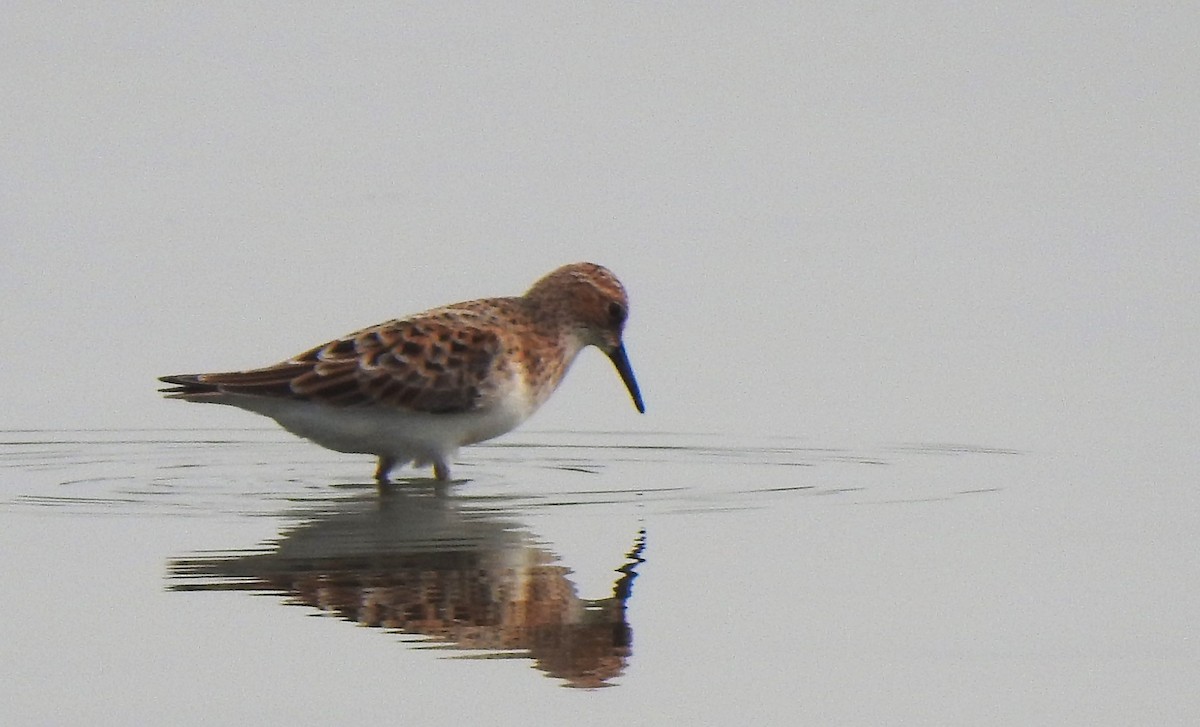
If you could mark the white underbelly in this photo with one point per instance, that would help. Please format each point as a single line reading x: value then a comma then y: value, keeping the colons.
x: 385, y: 431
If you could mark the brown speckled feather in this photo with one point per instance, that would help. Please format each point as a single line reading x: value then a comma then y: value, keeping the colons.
x: 436, y: 362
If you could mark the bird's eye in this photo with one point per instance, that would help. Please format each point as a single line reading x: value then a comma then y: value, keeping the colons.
x: 617, y: 313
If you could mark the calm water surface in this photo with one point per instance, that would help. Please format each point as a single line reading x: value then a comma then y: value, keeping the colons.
x: 167, y: 576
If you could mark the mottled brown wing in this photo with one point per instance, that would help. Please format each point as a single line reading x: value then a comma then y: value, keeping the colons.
x: 439, y: 362
x: 436, y: 364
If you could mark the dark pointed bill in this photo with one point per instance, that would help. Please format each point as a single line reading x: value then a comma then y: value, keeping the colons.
x: 621, y: 361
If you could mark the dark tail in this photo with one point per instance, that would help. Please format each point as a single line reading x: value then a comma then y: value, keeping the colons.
x: 273, y: 381
x: 186, y: 385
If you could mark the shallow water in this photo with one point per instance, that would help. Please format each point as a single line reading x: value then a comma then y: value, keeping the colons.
x: 164, y: 576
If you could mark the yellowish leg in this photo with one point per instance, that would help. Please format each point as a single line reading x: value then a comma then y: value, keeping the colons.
x: 441, y: 471
x: 385, y: 466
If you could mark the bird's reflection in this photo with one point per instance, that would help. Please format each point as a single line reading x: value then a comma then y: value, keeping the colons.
x: 427, y: 563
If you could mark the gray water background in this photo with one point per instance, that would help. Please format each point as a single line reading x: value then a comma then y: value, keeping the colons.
x: 913, y: 308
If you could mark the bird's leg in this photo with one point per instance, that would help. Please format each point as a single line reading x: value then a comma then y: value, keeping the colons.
x: 441, y: 470
x: 385, y: 466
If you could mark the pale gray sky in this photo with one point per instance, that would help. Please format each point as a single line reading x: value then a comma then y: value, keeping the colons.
x: 847, y: 221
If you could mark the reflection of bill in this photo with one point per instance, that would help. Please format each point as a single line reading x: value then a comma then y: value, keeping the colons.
x: 423, y: 564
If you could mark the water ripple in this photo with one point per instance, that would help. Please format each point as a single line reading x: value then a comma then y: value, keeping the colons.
x: 264, y: 472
